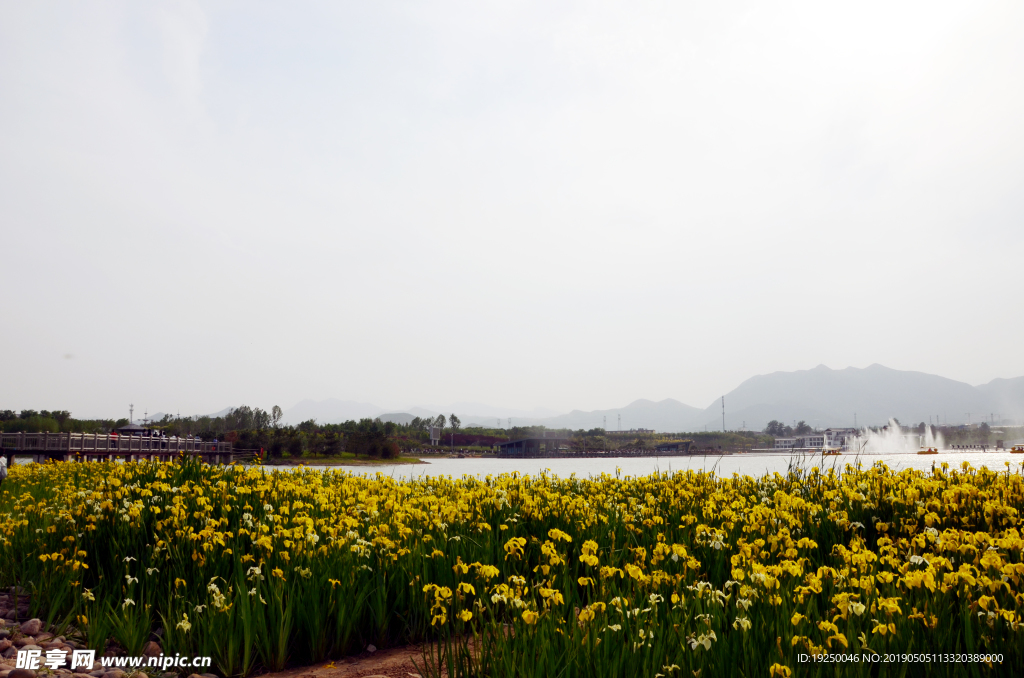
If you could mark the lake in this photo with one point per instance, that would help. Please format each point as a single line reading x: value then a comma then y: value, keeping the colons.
x: 744, y: 464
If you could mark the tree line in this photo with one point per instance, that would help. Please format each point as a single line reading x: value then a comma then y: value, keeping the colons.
x: 53, y: 421
x: 254, y: 428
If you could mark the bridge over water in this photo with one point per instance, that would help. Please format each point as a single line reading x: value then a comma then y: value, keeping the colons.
x: 111, y: 446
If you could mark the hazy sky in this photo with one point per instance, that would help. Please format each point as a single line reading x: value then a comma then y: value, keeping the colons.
x: 556, y: 204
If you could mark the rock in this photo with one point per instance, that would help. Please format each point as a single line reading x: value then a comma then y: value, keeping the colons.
x: 43, y: 637
x: 9, y: 652
x: 371, y: 649
x: 152, y: 649
x: 32, y: 627
x: 116, y: 673
x: 80, y: 675
x: 21, y: 673
x: 51, y: 645
x: 31, y: 646
x: 4, y: 644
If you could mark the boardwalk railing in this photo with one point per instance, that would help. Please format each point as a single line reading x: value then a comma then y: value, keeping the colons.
x: 70, y: 446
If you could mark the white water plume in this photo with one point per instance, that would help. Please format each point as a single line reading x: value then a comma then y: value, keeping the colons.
x: 892, y: 440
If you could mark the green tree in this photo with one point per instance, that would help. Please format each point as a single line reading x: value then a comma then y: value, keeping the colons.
x: 332, y: 443
x: 34, y: 424
x: 778, y: 429
x: 260, y: 419
x: 295, y: 444
x: 60, y: 415
x: 454, y: 423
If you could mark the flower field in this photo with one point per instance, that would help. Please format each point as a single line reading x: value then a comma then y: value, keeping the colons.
x: 688, y: 574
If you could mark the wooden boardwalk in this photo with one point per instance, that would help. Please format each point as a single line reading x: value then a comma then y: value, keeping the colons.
x: 110, y: 446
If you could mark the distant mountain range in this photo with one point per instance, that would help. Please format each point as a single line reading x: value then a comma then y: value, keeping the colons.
x: 869, y: 396
x: 820, y: 396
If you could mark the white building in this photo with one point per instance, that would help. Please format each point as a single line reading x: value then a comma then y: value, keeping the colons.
x: 840, y: 438
x: 815, y: 440
x: 832, y: 438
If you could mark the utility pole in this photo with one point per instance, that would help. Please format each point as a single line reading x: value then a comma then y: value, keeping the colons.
x: 619, y: 425
x: 723, y: 414
x: 604, y: 422
x: 131, y: 414
x: 855, y: 420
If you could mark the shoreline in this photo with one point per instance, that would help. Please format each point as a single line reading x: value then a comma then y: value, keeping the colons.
x: 333, y: 461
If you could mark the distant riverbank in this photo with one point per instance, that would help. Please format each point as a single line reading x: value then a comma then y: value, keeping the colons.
x: 336, y: 461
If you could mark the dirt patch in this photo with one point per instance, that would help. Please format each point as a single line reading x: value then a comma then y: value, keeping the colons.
x: 396, y: 662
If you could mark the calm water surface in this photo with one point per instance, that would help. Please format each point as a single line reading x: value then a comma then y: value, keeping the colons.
x: 744, y: 464
x: 726, y: 465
